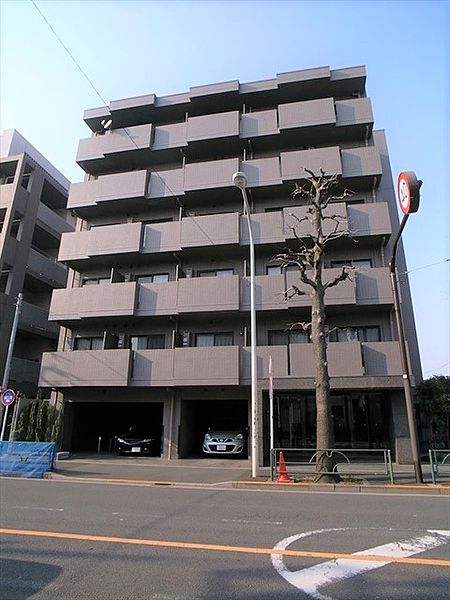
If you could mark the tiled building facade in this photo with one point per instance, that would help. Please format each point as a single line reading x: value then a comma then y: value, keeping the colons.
x: 156, y: 314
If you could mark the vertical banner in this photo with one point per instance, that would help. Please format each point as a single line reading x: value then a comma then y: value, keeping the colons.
x: 271, y: 403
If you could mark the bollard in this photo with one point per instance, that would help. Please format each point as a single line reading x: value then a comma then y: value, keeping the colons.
x: 99, y: 444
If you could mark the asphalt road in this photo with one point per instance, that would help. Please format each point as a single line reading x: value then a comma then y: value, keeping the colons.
x: 216, y: 543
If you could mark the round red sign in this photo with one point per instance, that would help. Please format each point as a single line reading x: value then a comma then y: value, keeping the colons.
x: 8, y: 397
x: 408, y: 187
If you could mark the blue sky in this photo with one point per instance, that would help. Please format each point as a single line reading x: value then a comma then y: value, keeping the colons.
x: 130, y: 48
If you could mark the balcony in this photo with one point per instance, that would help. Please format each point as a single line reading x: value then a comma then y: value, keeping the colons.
x: 373, y: 286
x: 157, y: 299
x: 114, y: 239
x: 361, y: 166
x: 312, y: 113
x: 344, y: 360
x: 111, y: 300
x: 23, y: 372
x: 262, y: 172
x: 166, y: 184
x: 88, y: 368
x: 152, y: 368
x: 206, y: 366
x: 382, y: 359
x: 104, y: 152
x: 297, y: 221
x: 210, y: 175
x: 161, y: 237
x: 269, y: 293
x: 213, y: 127
x: 369, y: 219
x: 51, y: 222
x: 293, y: 164
x: 210, y: 230
x: 6, y: 195
x: 34, y: 319
x: 343, y: 293
x: 208, y: 294
x: 168, y: 137
x: 107, y: 190
x: 259, y: 124
x: 267, y: 228
x: 20, y: 197
x: 279, y: 361
x: 44, y: 269
x: 354, y: 112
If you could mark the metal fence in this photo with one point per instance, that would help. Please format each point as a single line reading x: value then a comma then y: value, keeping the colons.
x: 439, y: 463
x: 348, y: 462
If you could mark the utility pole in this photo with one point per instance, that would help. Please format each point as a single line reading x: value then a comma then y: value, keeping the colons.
x: 12, y: 339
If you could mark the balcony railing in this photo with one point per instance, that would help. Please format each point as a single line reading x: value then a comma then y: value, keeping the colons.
x: 115, y: 141
x: 35, y: 320
x: 45, y: 269
x: 215, y: 366
x: 105, y: 368
x: 119, y: 186
x: 113, y: 300
x: 307, y: 114
x: 52, y: 222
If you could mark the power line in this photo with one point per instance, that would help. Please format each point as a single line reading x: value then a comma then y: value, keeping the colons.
x: 436, y: 368
x: 106, y: 104
x: 425, y: 266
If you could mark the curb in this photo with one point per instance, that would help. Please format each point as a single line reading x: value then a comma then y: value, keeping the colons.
x: 427, y: 488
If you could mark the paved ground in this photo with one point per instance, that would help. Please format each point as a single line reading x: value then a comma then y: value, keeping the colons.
x: 203, y: 471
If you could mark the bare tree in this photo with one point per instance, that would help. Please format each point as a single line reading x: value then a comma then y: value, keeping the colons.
x: 318, y: 191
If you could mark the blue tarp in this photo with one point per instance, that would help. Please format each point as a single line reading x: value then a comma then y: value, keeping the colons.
x: 26, y: 459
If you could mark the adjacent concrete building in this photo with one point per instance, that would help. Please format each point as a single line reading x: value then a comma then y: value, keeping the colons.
x: 156, y: 313
x: 33, y: 216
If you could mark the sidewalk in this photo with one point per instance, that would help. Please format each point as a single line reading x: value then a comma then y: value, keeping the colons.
x: 225, y: 472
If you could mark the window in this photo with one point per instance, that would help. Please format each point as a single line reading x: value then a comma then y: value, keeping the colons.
x: 96, y: 280
x: 148, y: 342
x: 361, y: 263
x: 155, y: 221
x: 214, y: 339
x: 154, y: 278
x: 216, y: 273
x: 274, y: 270
x: 282, y: 338
x: 356, y: 334
x: 88, y: 343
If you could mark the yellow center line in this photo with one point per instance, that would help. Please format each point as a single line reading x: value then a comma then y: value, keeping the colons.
x: 430, y: 562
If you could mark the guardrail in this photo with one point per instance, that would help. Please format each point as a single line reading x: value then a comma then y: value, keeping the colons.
x: 348, y: 461
x: 439, y: 463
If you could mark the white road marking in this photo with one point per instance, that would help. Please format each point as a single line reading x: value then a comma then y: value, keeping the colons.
x: 121, y: 514
x: 39, y: 508
x: 309, y: 580
x: 252, y: 522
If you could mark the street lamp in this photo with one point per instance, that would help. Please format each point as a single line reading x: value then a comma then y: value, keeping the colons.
x: 409, y: 196
x: 240, y: 181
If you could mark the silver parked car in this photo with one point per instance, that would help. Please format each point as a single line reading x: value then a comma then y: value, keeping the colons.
x: 224, y: 441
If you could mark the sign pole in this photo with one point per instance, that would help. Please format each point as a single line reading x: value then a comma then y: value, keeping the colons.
x: 272, y: 442
x: 408, y: 188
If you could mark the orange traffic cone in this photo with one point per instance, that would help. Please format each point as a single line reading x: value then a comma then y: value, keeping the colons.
x: 282, y: 472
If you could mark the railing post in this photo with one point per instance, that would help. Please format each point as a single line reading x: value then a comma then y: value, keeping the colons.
x: 391, y: 470
x: 433, y: 476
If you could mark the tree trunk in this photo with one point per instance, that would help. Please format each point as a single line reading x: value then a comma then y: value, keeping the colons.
x: 324, y: 421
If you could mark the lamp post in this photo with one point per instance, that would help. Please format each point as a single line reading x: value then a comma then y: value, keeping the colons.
x: 240, y: 181
x: 409, y: 196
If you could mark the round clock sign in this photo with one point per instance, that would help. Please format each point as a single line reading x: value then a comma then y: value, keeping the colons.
x: 408, y: 187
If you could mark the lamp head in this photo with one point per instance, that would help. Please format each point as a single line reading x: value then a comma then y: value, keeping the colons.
x: 240, y: 180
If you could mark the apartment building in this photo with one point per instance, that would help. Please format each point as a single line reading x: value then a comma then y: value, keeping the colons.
x: 156, y: 314
x: 33, y: 216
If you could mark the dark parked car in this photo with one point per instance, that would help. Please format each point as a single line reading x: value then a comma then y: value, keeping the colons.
x: 134, y: 442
